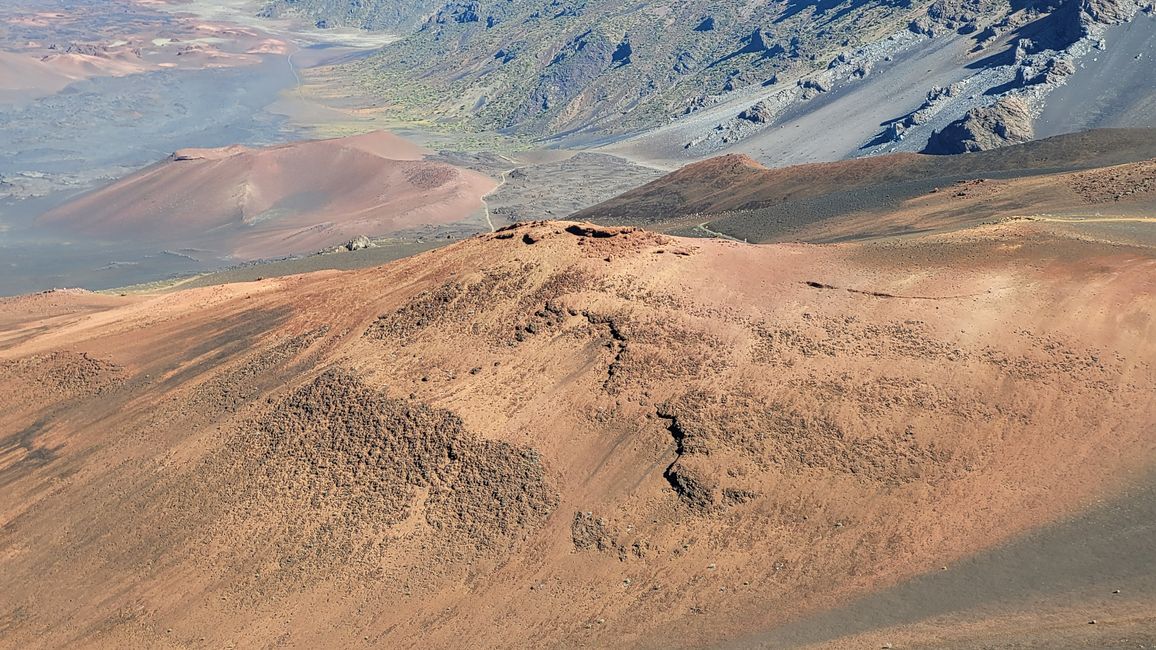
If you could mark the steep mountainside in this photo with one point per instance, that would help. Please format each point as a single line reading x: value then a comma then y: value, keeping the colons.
x: 707, y: 76
x: 550, y: 67
x: 561, y: 435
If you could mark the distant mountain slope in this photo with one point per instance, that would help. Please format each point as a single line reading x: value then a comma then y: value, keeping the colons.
x: 551, y: 67
x: 703, y: 77
x: 297, y: 198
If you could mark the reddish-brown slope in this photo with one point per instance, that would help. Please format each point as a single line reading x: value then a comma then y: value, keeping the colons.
x: 295, y: 198
x: 560, y: 436
x: 1116, y: 194
x: 735, y: 181
x: 824, y: 201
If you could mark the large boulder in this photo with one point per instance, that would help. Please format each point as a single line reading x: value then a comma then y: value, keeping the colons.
x: 1008, y: 121
x: 760, y: 113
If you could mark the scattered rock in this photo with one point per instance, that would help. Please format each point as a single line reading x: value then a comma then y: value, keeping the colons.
x: 359, y: 243
x: 588, y: 532
x: 338, y: 445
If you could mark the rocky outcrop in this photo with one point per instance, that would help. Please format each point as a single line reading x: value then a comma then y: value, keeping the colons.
x: 458, y: 12
x: 570, y: 72
x: 813, y: 87
x: 361, y: 242
x: 760, y: 113
x: 1108, y: 12
x: 1029, y: 52
x: 1008, y: 121
x: 938, y: 98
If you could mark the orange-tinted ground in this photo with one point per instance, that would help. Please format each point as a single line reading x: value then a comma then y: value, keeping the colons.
x: 296, y: 198
x: 562, y: 435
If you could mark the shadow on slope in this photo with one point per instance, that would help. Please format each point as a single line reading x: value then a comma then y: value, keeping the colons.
x: 742, y: 199
x: 1070, y: 564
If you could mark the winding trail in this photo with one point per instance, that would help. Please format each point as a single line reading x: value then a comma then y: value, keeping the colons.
x: 293, y: 69
x: 501, y: 183
x: 1078, y: 219
x: 702, y: 227
x: 486, y: 204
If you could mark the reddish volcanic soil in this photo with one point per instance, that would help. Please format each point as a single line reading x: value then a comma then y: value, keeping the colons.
x: 294, y: 198
x: 562, y: 435
x: 1086, y: 174
x: 1108, y: 194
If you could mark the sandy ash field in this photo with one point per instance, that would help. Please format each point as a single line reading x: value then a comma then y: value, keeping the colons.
x: 567, y: 435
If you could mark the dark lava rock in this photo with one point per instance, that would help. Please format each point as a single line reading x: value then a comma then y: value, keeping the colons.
x: 622, y: 53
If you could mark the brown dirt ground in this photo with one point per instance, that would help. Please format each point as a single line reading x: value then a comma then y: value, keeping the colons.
x: 561, y: 435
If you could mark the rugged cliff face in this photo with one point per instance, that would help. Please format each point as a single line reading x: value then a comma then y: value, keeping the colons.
x: 1047, y: 38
